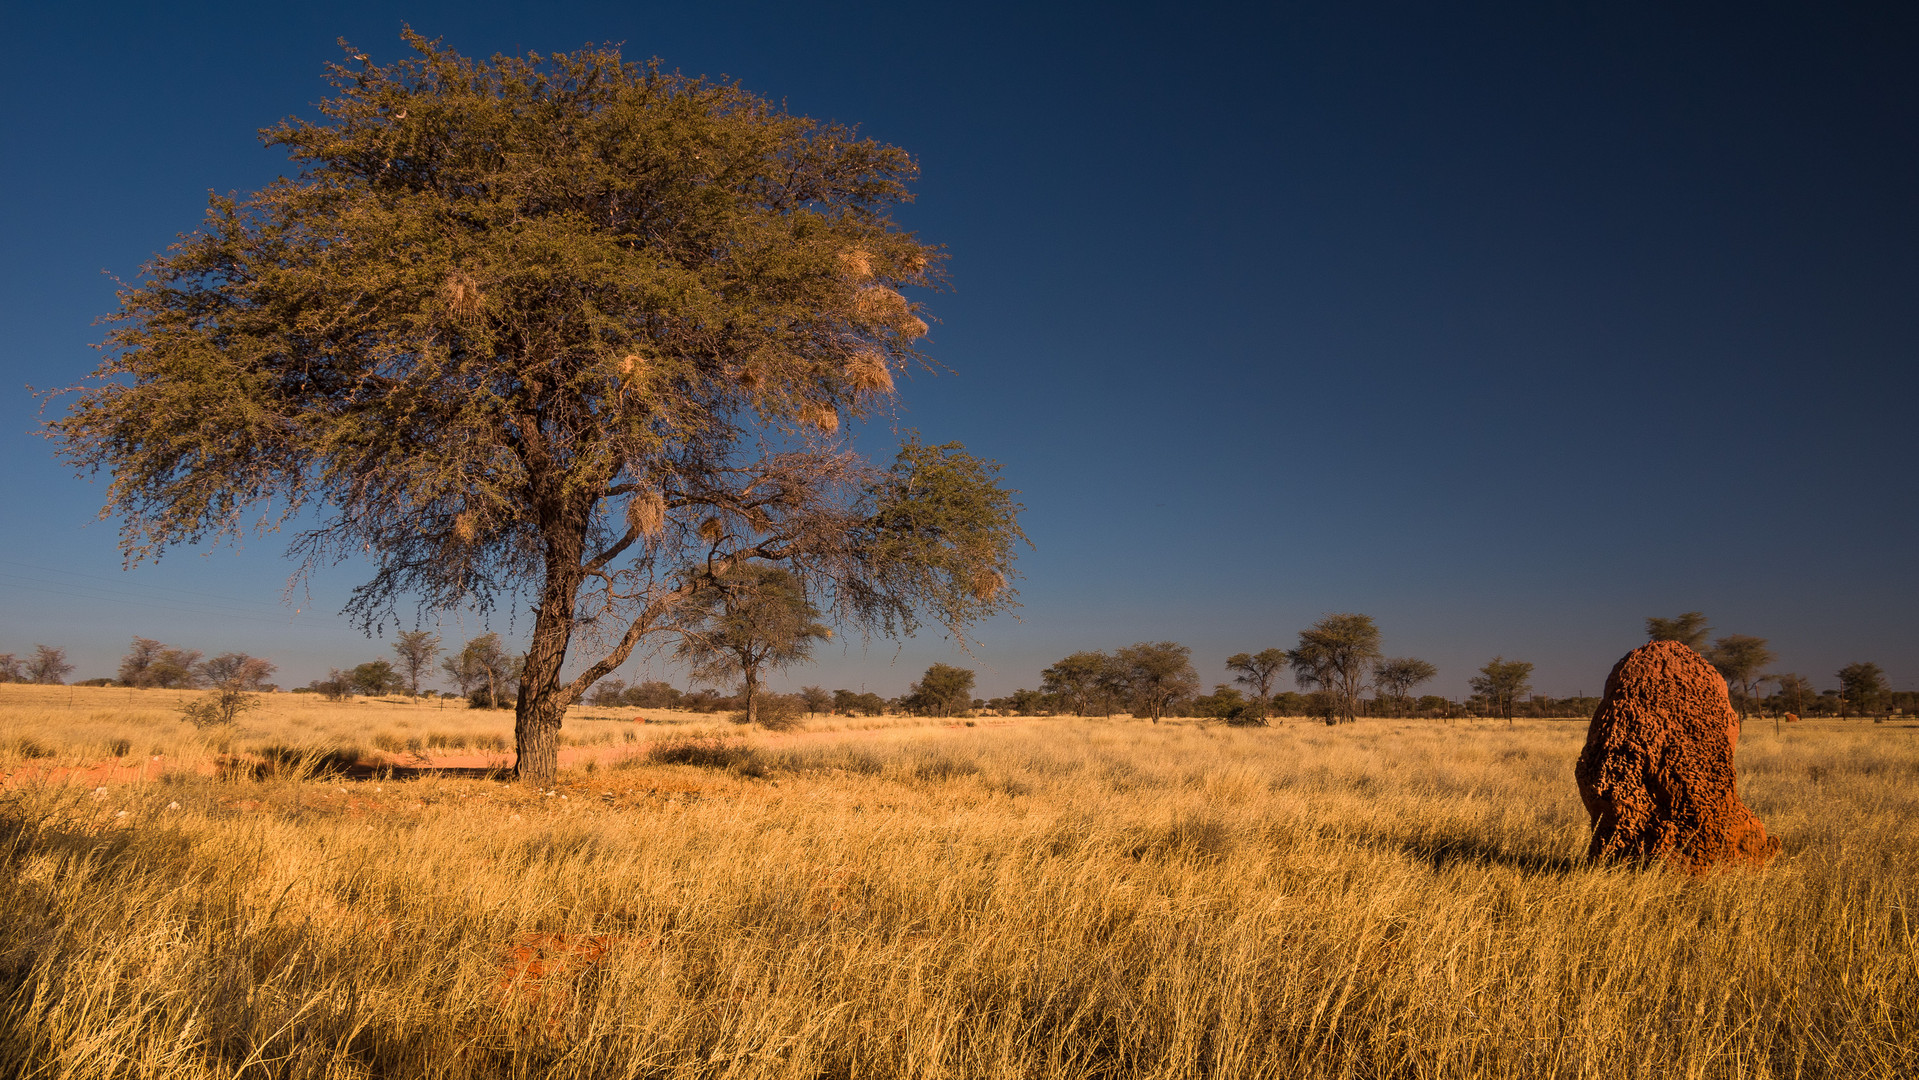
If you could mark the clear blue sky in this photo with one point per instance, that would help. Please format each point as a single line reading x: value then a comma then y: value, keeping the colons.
x: 1506, y: 326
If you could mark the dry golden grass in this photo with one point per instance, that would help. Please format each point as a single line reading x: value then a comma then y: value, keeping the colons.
x: 1056, y: 898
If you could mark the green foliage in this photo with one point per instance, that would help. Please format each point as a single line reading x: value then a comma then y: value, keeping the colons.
x: 1086, y: 683
x: 376, y: 677
x: 1228, y: 704
x: 1689, y: 630
x: 1158, y: 675
x: 816, y: 699
x: 944, y: 690
x: 1863, y: 688
x: 848, y: 703
x: 1334, y: 655
x: 1741, y: 659
x: 1257, y: 672
x: 222, y: 706
x: 561, y: 324
x: 1396, y: 678
x: 148, y: 663
x: 1502, y: 683
x: 752, y: 619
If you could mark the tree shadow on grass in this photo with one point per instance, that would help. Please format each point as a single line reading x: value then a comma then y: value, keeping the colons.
x: 1442, y: 852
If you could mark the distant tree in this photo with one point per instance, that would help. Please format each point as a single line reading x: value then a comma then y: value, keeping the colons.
x: 337, y: 686
x: 222, y: 706
x: 564, y: 324
x: 236, y: 670
x: 944, y: 690
x: 1024, y: 702
x: 1334, y: 655
x: 48, y: 666
x: 1502, y: 683
x: 1228, y: 704
x: 653, y: 694
x: 848, y: 703
x: 1396, y: 678
x: 1741, y: 659
x: 1158, y: 674
x: 1082, y: 682
x: 1862, y: 688
x: 1794, y: 693
x: 816, y: 699
x: 1256, y: 672
x: 377, y: 677
x: 484, y: 664
x: 11, y: 669
x: 416, y: 650
x: 753, y: 619
x: 1689, y: 630
x: 149, y: 664
x: 609, y: 691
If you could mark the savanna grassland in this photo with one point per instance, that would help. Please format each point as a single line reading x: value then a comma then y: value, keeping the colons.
x: 1044, y: 898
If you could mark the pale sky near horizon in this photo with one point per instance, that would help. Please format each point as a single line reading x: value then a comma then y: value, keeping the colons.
x: 1508, y: 327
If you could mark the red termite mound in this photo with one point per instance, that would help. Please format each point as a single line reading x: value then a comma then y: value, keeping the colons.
x: 1657, y: 775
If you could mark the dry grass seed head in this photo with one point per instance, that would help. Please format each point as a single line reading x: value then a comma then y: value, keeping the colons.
x: 646, y: 513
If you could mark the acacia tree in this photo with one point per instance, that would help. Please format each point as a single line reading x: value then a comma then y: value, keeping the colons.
x: 1740, y: 659
x: 1334, y: 655
x: 1158, y: 674
x: 1862, y: 687
x: 1689, y: 630
x: 752, y: 619
x: 1082, y: 682
x: 943, y: 691
x: 48, y: 666
x: 1256, y: 671
x: 1503, y: 682
x: 560, y: 324
x: 236, y: 671
x: 1396, y: 678
x: 416, y: 650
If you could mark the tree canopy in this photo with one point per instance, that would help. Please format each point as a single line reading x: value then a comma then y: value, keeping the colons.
x: 563, y: 325
x: 752, y: 619
x: 1334, y: 655
x: 1502, y: 683
x: 1689, y: 630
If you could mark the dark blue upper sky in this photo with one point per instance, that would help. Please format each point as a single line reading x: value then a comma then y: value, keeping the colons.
x: 1507, y: 326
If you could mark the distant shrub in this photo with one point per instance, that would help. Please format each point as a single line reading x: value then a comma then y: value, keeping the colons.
x: 777, y: 712
x: 220, y: 707
x: 707, y: 752
x: 942, y: 768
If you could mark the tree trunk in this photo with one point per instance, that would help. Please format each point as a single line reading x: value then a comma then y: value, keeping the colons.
x: 541, y: 706
x: 752, y: 696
